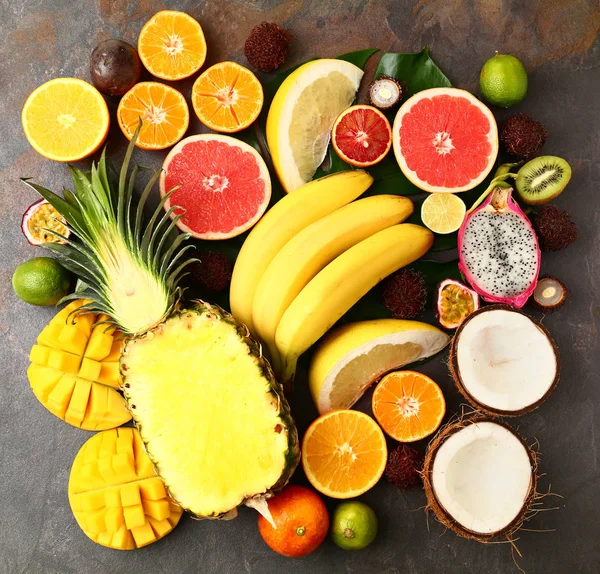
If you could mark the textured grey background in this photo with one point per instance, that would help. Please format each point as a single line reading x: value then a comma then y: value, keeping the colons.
x: 556, y: 39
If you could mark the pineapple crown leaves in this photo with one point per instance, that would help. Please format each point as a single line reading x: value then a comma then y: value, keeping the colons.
x: 131, y: 269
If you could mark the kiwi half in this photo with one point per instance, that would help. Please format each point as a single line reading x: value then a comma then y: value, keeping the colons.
x: 542, y: 179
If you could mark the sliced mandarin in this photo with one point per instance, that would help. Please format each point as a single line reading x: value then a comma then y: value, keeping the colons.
x: 344, y: 453
x: 171, y: 45
x: 65, y: 119
x: 409, y: 406
x: 227, y: 97
x: 163, y: 111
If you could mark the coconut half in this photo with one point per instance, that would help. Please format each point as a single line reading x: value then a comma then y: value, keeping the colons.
x: 503, y: 361
x: 480, y: 479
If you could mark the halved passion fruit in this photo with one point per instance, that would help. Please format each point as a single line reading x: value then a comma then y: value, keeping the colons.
x: 454, y: 303
x: 43, y: 224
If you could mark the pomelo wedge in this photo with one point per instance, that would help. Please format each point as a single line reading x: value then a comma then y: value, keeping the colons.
x: 445, y: 140
x: 352, y: 357
x: 302, y: 113
x: 223, y: 185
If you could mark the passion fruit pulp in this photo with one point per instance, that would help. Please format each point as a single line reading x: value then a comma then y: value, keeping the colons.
x: 454, y: 303
x: 41, y: 224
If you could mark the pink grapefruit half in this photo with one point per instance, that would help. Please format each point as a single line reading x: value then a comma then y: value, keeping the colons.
x: 445, y: 140
x: 223, y: 185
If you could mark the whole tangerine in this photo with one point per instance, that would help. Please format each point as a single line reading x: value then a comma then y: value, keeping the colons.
x: 301, y: 519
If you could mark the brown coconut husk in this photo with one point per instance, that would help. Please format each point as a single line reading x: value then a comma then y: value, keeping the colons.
x: 507, y: 535
x: 454, y: 370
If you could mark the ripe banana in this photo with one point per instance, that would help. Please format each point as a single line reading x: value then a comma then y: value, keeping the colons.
x: 285, y: 219
x: 303, y: 256
x: 341, y: 284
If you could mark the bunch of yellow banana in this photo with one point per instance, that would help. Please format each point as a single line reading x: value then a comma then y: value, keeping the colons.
x: 313, y: 256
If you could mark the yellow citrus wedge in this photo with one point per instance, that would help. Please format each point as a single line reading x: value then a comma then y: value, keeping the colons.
x: 344, y: 453
x: 65, y: 119
x: 171, y: 45
x: 352, y: 357
x: 302, y: 113
x: 443, y: 212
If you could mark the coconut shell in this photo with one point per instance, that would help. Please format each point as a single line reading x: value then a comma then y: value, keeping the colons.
x: 454, y: 370
x: 507, y: 534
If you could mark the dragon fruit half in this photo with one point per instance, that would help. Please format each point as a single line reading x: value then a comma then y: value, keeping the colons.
x: 499, y: 251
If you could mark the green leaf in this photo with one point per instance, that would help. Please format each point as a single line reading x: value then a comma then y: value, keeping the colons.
x: 415, y: 72
x: 358, y: 58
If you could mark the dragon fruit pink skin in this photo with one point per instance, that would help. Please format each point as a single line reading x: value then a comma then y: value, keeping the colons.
x: 499, y: 254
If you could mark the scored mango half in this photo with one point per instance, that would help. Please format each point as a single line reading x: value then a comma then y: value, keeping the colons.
x: 74, y: 370
x: 115, y: 495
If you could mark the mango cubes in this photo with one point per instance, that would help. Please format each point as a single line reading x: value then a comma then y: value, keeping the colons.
x: 74, y: 370
x: 115, y: 494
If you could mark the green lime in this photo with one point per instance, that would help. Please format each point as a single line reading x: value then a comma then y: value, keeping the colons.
x: 353, y: 525
x: 503, y: 81
x: 41, y: 281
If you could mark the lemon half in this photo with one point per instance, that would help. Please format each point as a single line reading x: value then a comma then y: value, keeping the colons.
x: 302, y: 114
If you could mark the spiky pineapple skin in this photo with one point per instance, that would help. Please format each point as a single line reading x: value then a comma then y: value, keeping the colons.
x: 292, y: 455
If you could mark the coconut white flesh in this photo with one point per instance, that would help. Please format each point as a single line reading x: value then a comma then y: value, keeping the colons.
x: 505, y: 361
x: 481, y: 476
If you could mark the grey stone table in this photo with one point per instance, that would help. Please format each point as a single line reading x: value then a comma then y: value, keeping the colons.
x: 558, y: 42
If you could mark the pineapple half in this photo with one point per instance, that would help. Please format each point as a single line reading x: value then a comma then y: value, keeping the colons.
x: 213, y: 419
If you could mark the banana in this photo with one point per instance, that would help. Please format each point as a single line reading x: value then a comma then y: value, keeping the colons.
x: 285, y: 219
x: 341, y: 284
x: 303, y: 256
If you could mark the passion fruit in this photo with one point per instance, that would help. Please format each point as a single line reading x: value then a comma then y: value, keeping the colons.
x: 115, y: 67
x: 41, y: 224
x: 454, y: 303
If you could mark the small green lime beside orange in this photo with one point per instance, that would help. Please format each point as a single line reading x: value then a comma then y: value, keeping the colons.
x: 301, y: 522
x: 41, y: 281
x: 353, y: 525
x: 503, y: 81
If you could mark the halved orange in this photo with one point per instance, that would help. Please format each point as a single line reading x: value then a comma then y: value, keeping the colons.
x: 65, y: 119
x: 344, y: 453
x: 171, y: 45
x: 163, y: 110
x: 227, y: 97
x: 409, y: 406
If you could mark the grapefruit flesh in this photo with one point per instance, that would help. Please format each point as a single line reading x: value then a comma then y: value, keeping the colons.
x: 362, y: 135
x: 445, y: 140
x: 223, y: 185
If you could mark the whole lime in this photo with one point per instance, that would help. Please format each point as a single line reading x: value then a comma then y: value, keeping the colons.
x: 503, y: 81
x: 41, y: 281
x: 353, y: 525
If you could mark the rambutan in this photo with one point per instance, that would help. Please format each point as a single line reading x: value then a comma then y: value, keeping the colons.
x: 403, y: 467
x: 522, y: 136
x: 405, y: 294
x: 212, y: 273
x: 267, y: 46
x: 554, y: 227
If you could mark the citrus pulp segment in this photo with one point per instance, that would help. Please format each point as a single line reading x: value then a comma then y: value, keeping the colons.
x: 65, y: 119
x: 443, y: 212
x: 163, y: 110
x: 344, y: 453
x: 171, y: 45
x: 350, y: 358
x: 408, y: 405
x: 302, y: 113
x: 223, y: 185
x: 361, y: 135
x: 227, y: 97
x: 445, y: 140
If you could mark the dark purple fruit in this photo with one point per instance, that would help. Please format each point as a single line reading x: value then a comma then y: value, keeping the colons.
x: 115, y: 67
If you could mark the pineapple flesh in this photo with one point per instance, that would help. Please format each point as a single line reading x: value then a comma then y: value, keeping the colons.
x: 115, y: 495
x: 209, y: 411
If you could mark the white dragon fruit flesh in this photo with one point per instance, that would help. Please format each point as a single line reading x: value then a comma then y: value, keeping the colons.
x: 499, y: 251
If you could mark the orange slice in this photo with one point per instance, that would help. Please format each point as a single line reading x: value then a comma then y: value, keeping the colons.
x: 65, y: 119
x: 409, y: 406
x: 163, y: 110
x: 171, y: 45
x: 344, y: 453
x: 227, y: 97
